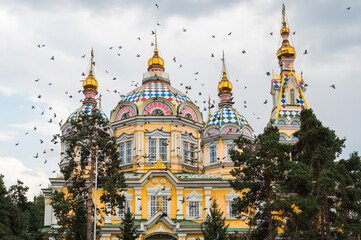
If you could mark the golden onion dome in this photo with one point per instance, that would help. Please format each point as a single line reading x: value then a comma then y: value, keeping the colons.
x: 156, y: 61
x: 286, y: 50
x: 225, y: 86
x: 90, y: 83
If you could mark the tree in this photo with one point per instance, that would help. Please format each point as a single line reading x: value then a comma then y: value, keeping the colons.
x: 260, y: 172
x: 89, y: 139
x: 5, y: 212
x: 318, y: 147
x: 127, y: 228
x: 36, y: 213
x: 214, y: 227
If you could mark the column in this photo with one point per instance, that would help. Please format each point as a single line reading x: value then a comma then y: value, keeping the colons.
x: 179, y: 202
x: 138, y: 203
x: 207, y: 194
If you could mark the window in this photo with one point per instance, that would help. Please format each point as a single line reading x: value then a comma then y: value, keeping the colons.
x: 125, y: 152
x: 158, y: 203
x: 189, y: 116
x: 213, y: 154
x: 158, y: 147
x: 230, y: 147
x: 157, y: 112
x: 231, y: 209
x: 121, y: 212
x: 189, y: 153
x: 193, y: 209
x: 125, y: 115
x: 292, y: 97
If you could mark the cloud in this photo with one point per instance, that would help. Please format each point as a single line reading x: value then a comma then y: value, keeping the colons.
x: 13, y: 169
x: 6, y: 136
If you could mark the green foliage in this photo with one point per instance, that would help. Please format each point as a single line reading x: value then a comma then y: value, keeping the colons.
x: 261, y: 170
x: 88, y: 138
x: 127, y: 228
x: 214, y: 227
x: 20, y: 219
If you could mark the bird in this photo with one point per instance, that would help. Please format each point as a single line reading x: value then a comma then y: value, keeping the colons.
x: 52, y: 58
x: 156, y: 5
x: 271, y: 33
x: 268, y: 73
x: 138, y: 55
x: 174, y: 59
x: 294, y: 33
x: 17, y: 144
x: 39, y: 96
x: 229, y: 33
x: 83, y: 56
x: 333, y: 86
x: 305, y: 52
x: 243, y: 51
x: 348, y: 8
x: 212, y: 55
x: 213, y: 36
x: 37, y: 80
x: 265, y: 102
x: 138, y: 38
x: 196, y: 73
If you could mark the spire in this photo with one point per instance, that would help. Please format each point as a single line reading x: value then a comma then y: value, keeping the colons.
x: 286, y: 50
x: 156, y: 61
x: 225, y: 86
x: 90, y: 84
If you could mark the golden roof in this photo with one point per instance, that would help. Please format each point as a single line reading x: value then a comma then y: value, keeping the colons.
x: 156, y: 61
x: 90, y: 83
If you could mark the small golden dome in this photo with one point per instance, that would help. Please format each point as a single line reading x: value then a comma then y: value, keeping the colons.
x: 225, y: 86
x: 286, y: 50
x: 156, y: 61
x: 90, y: 83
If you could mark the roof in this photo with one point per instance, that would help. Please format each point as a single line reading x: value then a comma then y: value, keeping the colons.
x: 224, y: 115
x: 86, y: 108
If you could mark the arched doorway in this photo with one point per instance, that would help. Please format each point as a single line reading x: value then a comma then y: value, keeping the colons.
x: 160, y: 236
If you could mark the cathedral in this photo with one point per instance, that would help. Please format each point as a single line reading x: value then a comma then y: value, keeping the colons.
x: 174, y: 160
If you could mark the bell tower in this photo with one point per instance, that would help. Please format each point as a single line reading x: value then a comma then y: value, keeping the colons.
x: 287, y: 89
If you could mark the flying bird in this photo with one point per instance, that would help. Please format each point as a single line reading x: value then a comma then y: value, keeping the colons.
x: 348, y: 8
x: 268, y: 73
x: 305, y: 52
x: 265, y: 102
x: 271, y: 33
x: 229, y: 33
x: 156, y: 5
x: 333, y: 86
x: 184, y: 30
x: 52, y: 58
x: 83, y: 56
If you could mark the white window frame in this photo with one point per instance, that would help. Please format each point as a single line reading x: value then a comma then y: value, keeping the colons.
x: 230, y: 198
x: 187, y: 152
x: 153, y: 194
x: 227, y: 147
x: 194, y: 197
x: 158, y: 148
x: 194, y: 210
x: 215, y: 155
x: 126, y: 151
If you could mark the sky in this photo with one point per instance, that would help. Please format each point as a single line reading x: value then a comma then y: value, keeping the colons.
x: 69, y: 29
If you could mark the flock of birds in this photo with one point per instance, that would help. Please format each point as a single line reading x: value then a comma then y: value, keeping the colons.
x: 53, y: 119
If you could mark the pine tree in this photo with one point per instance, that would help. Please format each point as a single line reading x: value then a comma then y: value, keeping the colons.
x: 5, y: 212
x: 127, y: 228
x: 88, y: 138
x: 214, y: 227
x: 318, y: 147
x: 260, y: 172
x: 36, y: 216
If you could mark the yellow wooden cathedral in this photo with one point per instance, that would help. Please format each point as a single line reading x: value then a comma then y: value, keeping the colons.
x: 173, y: 161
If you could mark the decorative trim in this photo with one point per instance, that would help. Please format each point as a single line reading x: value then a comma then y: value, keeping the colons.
x: 194, y: 197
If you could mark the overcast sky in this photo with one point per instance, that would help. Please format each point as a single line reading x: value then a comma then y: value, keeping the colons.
x: 69, y: 29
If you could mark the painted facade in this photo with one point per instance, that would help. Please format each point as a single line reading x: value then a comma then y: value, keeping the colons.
x: 175, y: 164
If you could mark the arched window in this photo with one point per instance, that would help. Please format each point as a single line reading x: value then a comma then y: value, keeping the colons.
x: 189, y: 116
x: 157, y: 112
x: 292, y: 97
x: 125, y: 115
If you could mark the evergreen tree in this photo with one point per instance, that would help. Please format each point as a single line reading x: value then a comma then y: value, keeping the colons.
x: 36, y: 216
x: 88, y: 138
x: 127, y: 228
x: 318, y: 147
x: 214, y: 227
x: 260, y: 172
x: 5, y: 212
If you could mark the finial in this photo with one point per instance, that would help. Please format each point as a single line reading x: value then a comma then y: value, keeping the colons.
x: 283, y: 14
x: 155, y: 42
x: 209, y: 106
x: 91, y: 61
x: 223, y: 63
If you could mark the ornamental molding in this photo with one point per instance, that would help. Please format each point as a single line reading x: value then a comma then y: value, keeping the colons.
x: 194, y: 197
x: 159, y: 191
x: 231, y: 196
